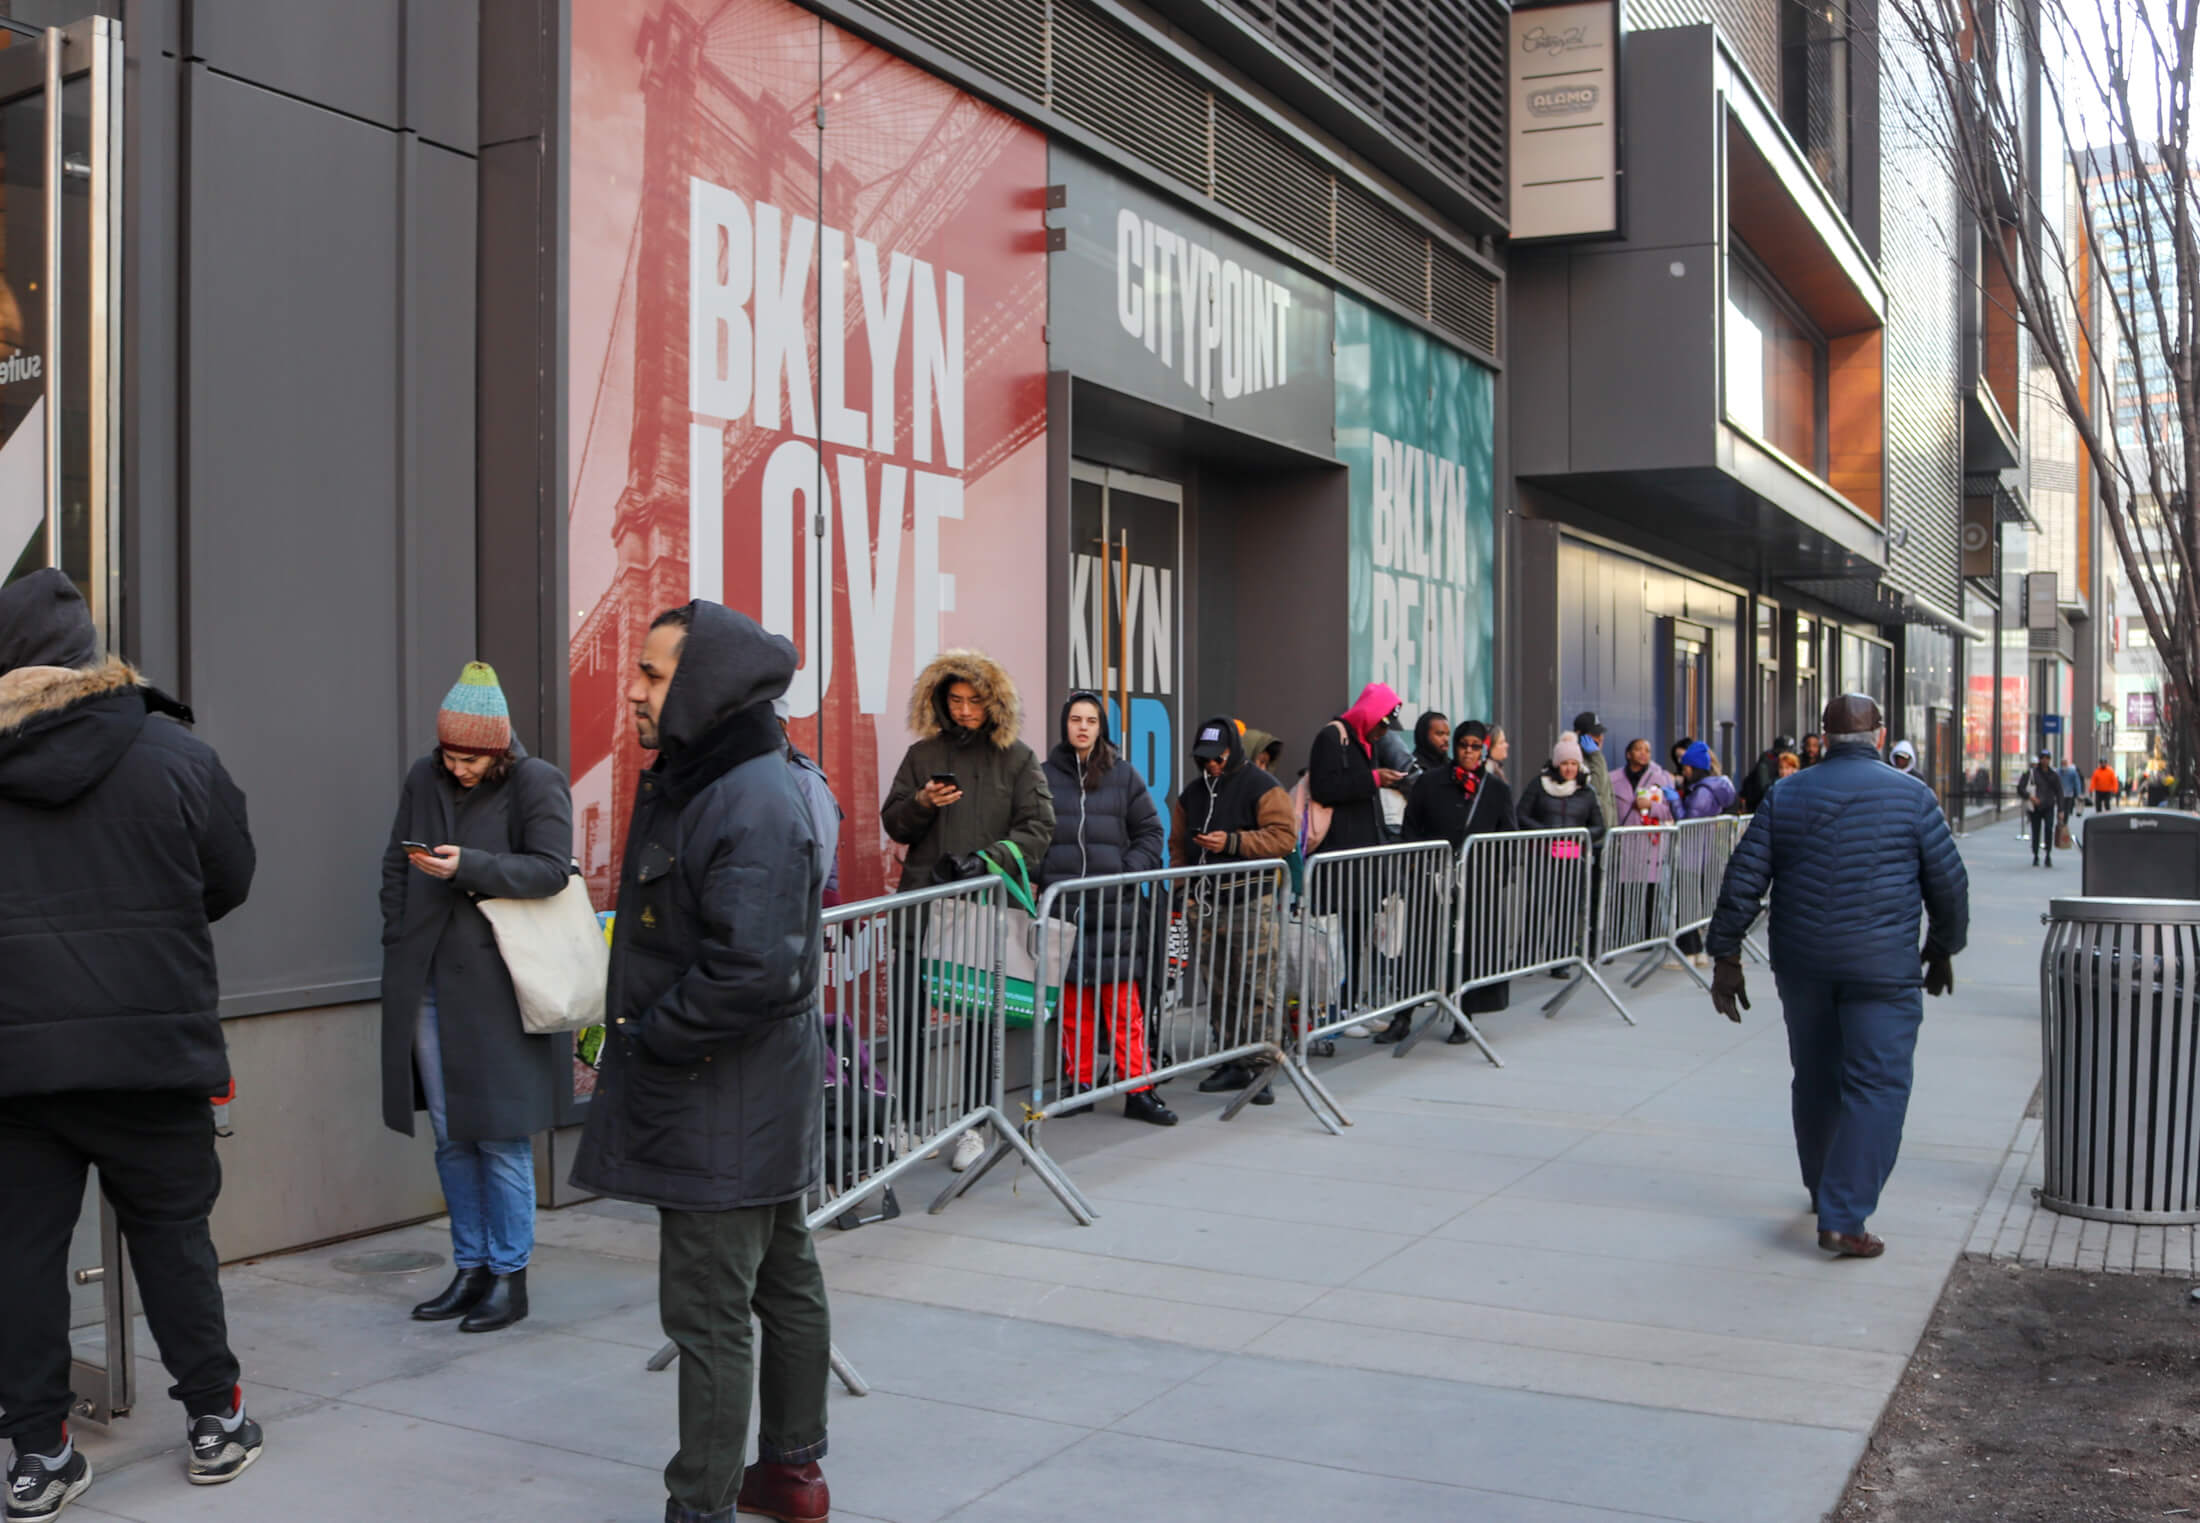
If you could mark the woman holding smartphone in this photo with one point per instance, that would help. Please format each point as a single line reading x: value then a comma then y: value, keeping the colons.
x: 478, y: 819
x: 969, y: 783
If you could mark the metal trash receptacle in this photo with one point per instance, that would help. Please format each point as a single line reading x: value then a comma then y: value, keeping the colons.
x: 2119, y: 1029
x: 2141, y: 854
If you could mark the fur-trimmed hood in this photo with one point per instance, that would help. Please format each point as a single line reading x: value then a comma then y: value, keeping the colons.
x: 62, y: 729
x: 29, y: 691
x: 1004, y: 709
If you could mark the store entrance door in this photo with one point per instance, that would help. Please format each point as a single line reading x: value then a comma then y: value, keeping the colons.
x: 60, y: 316
x: 1126, y: 604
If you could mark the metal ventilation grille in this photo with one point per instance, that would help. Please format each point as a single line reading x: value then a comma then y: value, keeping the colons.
x: 1462, y: 299
x: 1431, y: 71
x: 1106, y: 82
x: 1283, y: 192
x: 1006, y: 38
x: 1078, y: 62
x: 1380, y: 248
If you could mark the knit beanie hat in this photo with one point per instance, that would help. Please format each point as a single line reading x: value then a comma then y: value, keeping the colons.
x: 1698, y: 756
x: 474, y: 716
x: 1568, y: 749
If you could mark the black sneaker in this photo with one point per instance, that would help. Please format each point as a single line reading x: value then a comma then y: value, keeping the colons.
x: 36, y: 1492
x: 219, y: 1455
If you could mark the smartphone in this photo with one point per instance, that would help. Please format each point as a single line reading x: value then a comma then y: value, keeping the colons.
x: 945, y: 779
x: 418, y: 848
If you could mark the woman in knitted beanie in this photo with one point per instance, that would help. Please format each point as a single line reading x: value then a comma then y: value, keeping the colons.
x: 478, y: 819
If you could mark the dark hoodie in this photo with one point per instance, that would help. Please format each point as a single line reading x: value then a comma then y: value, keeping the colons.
x: 1427, y: 757
x: 121, y: 840
x: 708, y: 1096
x: 1104, y: 824
x: 1245, y: 803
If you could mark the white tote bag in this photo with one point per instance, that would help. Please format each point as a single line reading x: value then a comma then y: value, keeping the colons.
x: 554, y: 949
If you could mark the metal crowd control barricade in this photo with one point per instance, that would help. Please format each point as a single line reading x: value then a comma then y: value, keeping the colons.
x: 2119, y: 1012
x: 1372, y: 935
x: 1205, y: 987
x: 913, y: 994
x: 1701, y: 850
x: 1634, y: 902
x: 1549, y: 876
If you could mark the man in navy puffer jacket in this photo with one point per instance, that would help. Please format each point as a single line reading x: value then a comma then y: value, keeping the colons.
x: 1860, y: 848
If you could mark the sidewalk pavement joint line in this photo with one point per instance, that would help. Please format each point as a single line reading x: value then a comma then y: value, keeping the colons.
x: 532, y: 1443
x: 1035, y: 1279
x: 1491, y: 1491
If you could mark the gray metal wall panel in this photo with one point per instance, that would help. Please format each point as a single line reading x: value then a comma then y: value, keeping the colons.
x: 292, y: 489
x: 1675, y: 140
x: 518, y: 56
x: 343, y: 55
x: 442, y: 64
x: 149, y: 26
x: 1644, y: 359
x: 437, y: 391
x: 1537, y: 293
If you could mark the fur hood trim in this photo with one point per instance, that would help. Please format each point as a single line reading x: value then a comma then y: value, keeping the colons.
x: 31, y: 691
x: 996, y: 690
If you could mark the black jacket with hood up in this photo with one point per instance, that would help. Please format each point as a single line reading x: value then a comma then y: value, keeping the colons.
x: 708, y: 1100
x: 1245, y: 804
x: 1104, y: 823
x: 121, y: 841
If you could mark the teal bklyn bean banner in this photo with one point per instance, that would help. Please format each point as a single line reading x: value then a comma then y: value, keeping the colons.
x: 1416, y: 427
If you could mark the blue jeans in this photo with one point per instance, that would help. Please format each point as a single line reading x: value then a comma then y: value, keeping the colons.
x: 489, y: 1186
x: 1853, y: 1047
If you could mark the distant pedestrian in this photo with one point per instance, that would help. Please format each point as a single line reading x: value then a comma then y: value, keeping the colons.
x: 1705, y: 793
x: 1454, y: 805
x: 2104, y: 787
x: 968, y: 784
x: 1344, y: 772
x: 707, y: 1105
x: 1105, y: 824
x: 478, y: 818
x: 2073, y: 789
x: 121, y: 840
x: 1790, y: 764
x: 1903, y: 758
x: 1232, y: 812
x: 1500, y: 751
x: 1814, y: 748
x: 1596, y: 767
x: 1766, y: 772
x: 2157, y: 790
x: 2043, y: 793
x: 1851, y: 852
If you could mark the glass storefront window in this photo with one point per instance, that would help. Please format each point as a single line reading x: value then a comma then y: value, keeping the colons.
x: 1775, y: 366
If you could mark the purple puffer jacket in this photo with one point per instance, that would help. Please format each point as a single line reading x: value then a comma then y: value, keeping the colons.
x: 1710, y: 796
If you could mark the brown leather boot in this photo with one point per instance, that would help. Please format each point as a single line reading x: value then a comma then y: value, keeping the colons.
x: 1852, y: 1245
x: 790, y: 1493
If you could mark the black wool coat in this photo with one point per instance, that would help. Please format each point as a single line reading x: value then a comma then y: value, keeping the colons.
x: 1341, y: 775
x: 1112, y: 829
x: 515, y: 841
x: 714, y: 1066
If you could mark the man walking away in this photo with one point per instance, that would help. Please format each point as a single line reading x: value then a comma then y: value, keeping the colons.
x: 1856, y: 850
x: 707, y: 1107
x: 121, y: 840
x: 2043, y: 794
x: 2073, y: 790
x: 2104, y: 788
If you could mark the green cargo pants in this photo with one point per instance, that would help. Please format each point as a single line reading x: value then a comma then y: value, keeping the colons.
x: 714, y: 1269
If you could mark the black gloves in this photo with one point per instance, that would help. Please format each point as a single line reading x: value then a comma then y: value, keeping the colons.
x: 1940, y: 972
x: 955, y: 869
x: 1728, y: 989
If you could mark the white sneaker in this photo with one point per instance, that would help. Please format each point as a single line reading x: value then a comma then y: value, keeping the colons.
x: 969, y: 1148
x: 1359, y: 1029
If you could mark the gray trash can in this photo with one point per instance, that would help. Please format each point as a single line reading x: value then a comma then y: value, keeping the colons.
x: 2120, y: 1049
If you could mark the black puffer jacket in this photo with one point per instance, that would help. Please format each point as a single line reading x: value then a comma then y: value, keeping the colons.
x: 1857, y: 850
x: 1542, y: 808
x: 1104, y: 824
x: 515, y: 840
x: 121, y: 840
x: 708, y: 1100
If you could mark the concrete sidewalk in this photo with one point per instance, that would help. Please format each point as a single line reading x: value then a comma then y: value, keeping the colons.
x: 1580, y: 1288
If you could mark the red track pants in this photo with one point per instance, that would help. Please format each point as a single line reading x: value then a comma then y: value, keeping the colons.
x: 1126, y: 1031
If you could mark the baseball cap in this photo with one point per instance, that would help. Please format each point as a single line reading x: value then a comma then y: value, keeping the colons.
x: 1587, y: 723
x: 1210, y: 744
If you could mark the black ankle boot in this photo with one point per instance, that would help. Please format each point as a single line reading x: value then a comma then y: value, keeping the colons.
x: 461, y: 1296
x: 505, y: 1304
x: 1228, y: 1077
x: 1145, y: 1105
x: 1400, y: 1025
